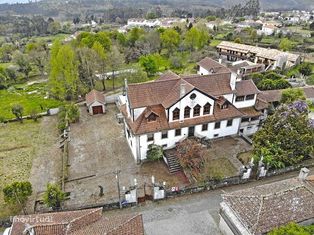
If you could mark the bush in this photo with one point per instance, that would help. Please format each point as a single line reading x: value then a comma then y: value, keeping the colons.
x: 155, y: 152
x: 54, y: 196
x: 305, y: 69
x: 310, y: 80
x: 17, y: 192
x: 34, y: 115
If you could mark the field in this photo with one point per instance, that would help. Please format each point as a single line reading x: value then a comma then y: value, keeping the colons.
x: 17, y: 150
x: 30, y: 97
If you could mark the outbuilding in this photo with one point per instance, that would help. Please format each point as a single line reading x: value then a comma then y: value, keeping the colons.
x: 95, y: 102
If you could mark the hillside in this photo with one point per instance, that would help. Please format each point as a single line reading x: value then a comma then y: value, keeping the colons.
x: 70, y: 8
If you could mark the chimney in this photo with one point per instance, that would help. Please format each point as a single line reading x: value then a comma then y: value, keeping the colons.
x: 182, y: 90
x: 220, y: 61
x: 304, y: 172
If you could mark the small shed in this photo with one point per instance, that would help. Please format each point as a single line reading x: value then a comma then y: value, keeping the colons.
x: 95, y: 102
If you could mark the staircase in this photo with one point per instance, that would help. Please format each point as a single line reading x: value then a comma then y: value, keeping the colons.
x: 173, y: 163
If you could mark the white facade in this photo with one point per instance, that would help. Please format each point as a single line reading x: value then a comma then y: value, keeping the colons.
x: 168, y: 138
x: 94, y: 104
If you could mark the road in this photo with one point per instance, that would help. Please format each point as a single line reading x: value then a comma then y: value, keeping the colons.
x: 195, y: 214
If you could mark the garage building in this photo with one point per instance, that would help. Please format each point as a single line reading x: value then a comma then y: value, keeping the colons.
x: 95, y: 102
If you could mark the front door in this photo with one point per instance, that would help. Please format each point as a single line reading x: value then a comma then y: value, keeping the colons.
x: 191, y: 131
x: 97, y: 109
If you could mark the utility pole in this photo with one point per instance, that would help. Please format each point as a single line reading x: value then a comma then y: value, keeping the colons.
x: 117, y: 173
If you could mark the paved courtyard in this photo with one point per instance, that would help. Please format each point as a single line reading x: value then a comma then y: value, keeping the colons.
x: 97, y: 149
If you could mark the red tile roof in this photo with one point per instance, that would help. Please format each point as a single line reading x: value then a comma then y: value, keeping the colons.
x: 79, y: 222
x: 262, y: 208
x: 213, y: 66
x: 93, y: 96
x: 246, y: 87
x: 168, y: 75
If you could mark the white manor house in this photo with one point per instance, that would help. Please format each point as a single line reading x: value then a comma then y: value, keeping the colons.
x: 216, y: 104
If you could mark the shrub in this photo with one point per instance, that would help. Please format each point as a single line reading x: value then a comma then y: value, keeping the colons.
x: 155, y: 152
x: 17, y: 110
x: 54, y: 196
x: 305, y: 69
x: 34, y: 115
x: 17, y: 192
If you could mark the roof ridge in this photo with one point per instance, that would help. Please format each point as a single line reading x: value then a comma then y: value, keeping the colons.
x: 254, y: 227
x: 179, y: 81
x: 153, y: 81
x: 124, y: 223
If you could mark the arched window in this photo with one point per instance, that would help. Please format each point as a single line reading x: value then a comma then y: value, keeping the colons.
x: 176, y: 114
x: 196, y: 110
x: 187, y: 111
x: 207, y: 108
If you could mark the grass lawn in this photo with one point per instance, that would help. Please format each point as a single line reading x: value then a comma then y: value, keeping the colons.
x: 35, y: 101
x: 221, y: 168
x: 214, y: 42
x: 17, y: 149
x: 245, y: 157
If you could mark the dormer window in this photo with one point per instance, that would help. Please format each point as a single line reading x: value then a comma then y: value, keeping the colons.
x: 176, y: 114
x: 250, y: 97
x: 207, y: 108
x: 239, y: 98
x: 224, y: 106
x: 196, y: 111
x: 152, y: 117
x: 193, y: 96
x: 187, y: 111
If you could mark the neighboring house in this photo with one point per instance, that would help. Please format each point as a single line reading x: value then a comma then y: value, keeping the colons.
x: 268, y: 29
x: 160, y: 22
x: 260, y: 209
x: 95, y: 101
x: 80, y: 222
x: 173, y: 107
x: 274, y: 96
x: 239, y: 69
x: 271, y: 58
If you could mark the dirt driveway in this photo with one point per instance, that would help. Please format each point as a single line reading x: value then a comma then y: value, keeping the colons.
x: 97, y: 149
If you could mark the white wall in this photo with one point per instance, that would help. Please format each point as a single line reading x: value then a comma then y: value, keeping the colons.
x: 132, y: 141
x: 172, y: 139
x: 200, y: 99
x: 249, y: 128
x: 96, y: 103
x: 202, y: 71
x: 245, y: 103
x: 137, y: 112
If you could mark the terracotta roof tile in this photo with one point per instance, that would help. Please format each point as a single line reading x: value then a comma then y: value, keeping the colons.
x: 168, y: 75
x: 93, y: 96
x: 79, y: 222
x: 250, y: 112
x: 246, y: 87
x: 265, y: 207
x: 142, y: 126
x: 212, y: 65
x: 271, y: 95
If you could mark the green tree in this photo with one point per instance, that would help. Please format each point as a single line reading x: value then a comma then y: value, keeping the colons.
x: 253, y: 35
x: 114, y: 61
x: 101, y: 57
x: 305, y: 69
x: 237, y: 40
x: 293, y: 229
x: 149, y: 64
x: 63, y: 78
x: 170, y: 39
x: 17, y: 110
x: 38, y: 53
x: 17, y: 193
x: 53, y: 196
x: 291, y: 95
x: 155, y: 152
x: 195, y: 38
x: 23, y: 62
x: 286, y: 137
x: 134, y: 35
x: 285, y: 44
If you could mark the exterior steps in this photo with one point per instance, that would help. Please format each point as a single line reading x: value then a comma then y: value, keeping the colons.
x: 173, y: 163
